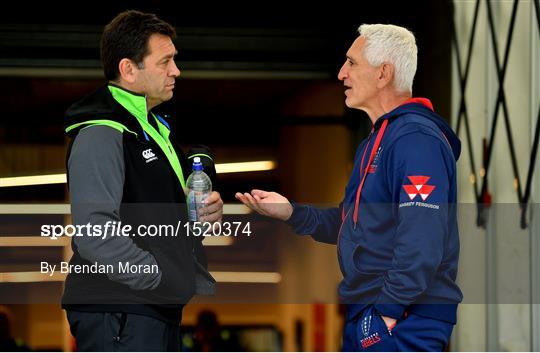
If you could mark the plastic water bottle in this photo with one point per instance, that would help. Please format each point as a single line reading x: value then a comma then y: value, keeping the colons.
x: 199, y: 187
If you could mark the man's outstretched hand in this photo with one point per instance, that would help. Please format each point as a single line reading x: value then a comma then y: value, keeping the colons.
x: 267, y: 203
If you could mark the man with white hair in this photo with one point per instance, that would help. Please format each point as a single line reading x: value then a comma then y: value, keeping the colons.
x: 396, y: 228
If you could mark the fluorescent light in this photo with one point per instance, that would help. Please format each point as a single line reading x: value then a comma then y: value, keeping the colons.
x: 27, y: 277
x: 246, y: 277
x: 59, y: 208
x: 220, y: 276
x: 32, y: 208
x: 221, y: 168
x: 236, y: 209
x: 217, y: 241
x: 38, y: 241
x: 33, y: 180
x: 33, y: 241
x: 240, y: 167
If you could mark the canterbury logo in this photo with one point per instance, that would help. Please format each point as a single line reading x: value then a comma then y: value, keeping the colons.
x: 419, y: 187
x: 149, y: 155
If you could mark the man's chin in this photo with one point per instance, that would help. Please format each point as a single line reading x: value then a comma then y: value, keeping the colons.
x: 167, y: 97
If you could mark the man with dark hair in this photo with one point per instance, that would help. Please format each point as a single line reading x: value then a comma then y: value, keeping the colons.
x: 125, y: 169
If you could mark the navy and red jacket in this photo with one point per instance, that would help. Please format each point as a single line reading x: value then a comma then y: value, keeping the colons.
x: 396, y: 230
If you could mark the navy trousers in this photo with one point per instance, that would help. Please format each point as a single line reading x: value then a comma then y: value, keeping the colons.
x: 367, y: 332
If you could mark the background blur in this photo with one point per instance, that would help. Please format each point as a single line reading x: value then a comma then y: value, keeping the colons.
x: 259, y: 83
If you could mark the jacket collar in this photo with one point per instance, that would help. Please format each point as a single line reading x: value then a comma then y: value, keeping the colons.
x: 415, y: 100
x: 135, y: 103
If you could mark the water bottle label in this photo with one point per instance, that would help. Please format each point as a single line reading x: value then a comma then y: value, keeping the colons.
x: 195, y: 202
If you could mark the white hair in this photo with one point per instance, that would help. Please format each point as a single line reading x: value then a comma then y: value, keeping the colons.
x: 395, y: 45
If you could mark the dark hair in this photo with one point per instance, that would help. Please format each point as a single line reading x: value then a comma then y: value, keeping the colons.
x: 126, y: 36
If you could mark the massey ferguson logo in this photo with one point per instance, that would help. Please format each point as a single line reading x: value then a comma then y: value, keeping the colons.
x: 418, y: 187
x: 149, y: 155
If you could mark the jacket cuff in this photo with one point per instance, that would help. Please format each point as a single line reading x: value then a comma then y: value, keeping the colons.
x: 386, y: 306
x: 298, y: 215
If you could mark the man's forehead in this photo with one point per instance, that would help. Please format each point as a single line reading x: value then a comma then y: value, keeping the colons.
x: 356, y: 48
x: 161, y: 44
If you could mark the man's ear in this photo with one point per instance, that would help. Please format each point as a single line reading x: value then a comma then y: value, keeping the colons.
x: 128, y: 70
x: 386, y: 75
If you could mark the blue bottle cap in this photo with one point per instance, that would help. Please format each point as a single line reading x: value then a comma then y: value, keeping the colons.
x: 197, y: 165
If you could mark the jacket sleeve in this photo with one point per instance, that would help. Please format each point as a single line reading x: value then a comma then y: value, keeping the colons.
x: 322, y: 224
x: 96, y: 182
x: 420, y: 171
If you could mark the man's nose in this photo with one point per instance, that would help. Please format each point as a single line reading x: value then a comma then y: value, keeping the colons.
x: 175, y: 70
x: 342, y: 74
